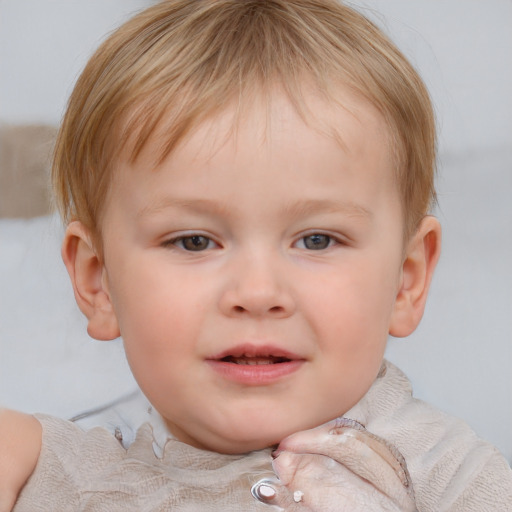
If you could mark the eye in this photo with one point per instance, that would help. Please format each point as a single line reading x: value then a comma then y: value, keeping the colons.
x: 316, y: 242
x: 193, y: 243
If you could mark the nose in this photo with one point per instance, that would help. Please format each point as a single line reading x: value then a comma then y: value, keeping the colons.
x: 257, y: 286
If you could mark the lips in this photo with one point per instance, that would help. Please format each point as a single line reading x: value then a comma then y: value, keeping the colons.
x: 255, y: 354
x: 258, y: 360
x: 255, y: 365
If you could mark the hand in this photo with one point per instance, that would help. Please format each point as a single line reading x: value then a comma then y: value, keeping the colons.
x: 338, y: 467
x: 20, y: 444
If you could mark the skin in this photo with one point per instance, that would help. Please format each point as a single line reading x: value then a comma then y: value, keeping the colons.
x: 358, y: 470
x: 19, y: 450
x: 257, y: 199
x: 301, y: 254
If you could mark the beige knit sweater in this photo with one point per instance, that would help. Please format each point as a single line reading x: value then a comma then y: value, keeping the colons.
x: 450, y: 468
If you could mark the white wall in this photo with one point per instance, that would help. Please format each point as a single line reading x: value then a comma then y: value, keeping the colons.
x: 44, y: 44
x: 461, y: 356
x: 462, y: 47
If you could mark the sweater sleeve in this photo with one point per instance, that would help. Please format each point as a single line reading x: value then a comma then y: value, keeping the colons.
x: 488, y: 489
x: 90, y: 471
x: 57, y: 479
x: 451, y: 468
x: 455, y: 470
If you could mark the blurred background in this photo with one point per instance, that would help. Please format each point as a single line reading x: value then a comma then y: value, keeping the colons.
x: 459, y: 359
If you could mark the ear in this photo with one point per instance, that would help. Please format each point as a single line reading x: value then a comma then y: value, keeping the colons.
x: 89, y: 280
x: 421, y: 256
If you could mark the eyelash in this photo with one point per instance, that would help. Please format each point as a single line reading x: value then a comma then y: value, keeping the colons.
x: 198, y: 242
x: 319, y: 237
x: 195, y: 239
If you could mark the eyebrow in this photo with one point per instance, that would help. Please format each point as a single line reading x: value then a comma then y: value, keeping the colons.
x: 294, y: 210
x: 197, y: 205
x: 313, y: 206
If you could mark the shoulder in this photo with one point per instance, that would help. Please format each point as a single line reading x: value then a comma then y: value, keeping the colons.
x: 20, y: 446
x: 450, y: 466
x: 68, y: 457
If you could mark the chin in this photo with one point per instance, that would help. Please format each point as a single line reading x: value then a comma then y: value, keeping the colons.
x: 243, y: 444
x: 248, y: 430
x: 234, y: 441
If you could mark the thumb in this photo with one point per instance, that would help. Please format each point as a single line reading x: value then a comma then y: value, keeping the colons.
x: 273, y: 492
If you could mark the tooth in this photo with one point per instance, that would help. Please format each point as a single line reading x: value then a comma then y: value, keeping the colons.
x: 252, y: 362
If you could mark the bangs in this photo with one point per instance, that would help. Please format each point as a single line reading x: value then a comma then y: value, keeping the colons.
x: 181, y: 62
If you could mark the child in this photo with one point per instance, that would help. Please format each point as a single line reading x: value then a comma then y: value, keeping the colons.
x: 246, y: 188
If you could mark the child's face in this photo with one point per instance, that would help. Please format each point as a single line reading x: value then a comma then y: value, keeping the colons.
x: 254, y: 275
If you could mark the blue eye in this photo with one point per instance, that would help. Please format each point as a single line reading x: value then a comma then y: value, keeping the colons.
x: 194, y: 243
x: 316, y: 241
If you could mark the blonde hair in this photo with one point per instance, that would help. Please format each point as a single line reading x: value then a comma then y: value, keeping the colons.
x: 184, y: 60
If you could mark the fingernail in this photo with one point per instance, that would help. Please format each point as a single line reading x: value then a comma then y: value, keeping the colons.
x: 263, y: 490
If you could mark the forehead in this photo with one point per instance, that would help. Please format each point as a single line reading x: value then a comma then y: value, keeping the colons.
x: 341, y: 115
x: 313, y: 152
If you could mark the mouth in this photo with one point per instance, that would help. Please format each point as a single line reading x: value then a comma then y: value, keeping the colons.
x: 255, y: 360
x: 255, y: 365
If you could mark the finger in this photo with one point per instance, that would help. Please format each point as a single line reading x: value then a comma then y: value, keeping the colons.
x: 323, y: 485
x: 273, y: 492
x: 368, y: 456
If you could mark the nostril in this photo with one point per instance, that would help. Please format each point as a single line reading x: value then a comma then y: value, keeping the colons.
x: 273, y: 309
x: 256, y: 301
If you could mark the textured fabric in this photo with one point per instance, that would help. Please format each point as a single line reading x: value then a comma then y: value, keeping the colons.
x: 450, y: 468
x: 91, y: 471
x: 25, y: 152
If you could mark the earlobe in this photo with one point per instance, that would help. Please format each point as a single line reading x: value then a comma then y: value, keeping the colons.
x: 422, y: 254
x: 89, y: 280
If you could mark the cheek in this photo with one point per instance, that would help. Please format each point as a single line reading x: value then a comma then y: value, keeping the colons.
x: 160, y: 332
x: 157, y: 314
x: 352, y: 324
x: 359, y: 297
x: 148, y: 292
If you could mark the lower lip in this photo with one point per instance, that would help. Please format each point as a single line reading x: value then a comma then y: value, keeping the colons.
x: 257, y: 374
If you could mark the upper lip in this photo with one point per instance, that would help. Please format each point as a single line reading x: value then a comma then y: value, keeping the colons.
x: 256, y: 351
